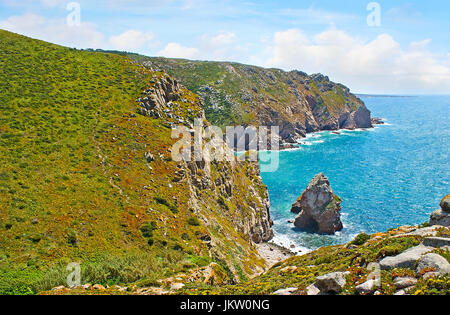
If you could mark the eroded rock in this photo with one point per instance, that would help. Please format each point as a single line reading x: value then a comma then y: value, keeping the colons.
x: 407, y: 259
x: 318, y: 208
x: 435, y: 263
x: 331, y: 283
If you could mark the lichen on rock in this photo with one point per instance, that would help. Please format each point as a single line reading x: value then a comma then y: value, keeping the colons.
x: 318, y: 208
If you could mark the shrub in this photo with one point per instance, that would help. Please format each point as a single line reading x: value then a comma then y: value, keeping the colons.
x: 148, y: 228
x: 360, y: 239
x: 223, y: 202
x: 200, y: 261
x: 162, y: 201
x: 72, y: 239
x: 193, y: 221
x: 147, y: 232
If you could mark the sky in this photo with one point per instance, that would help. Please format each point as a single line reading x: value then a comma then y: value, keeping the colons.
x: 382, y: 47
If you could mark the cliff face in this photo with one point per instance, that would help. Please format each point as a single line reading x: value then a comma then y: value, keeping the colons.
x: 237, y: 94
x: 236, y: 186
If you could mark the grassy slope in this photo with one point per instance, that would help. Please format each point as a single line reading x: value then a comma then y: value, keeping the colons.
x: 74, y: 183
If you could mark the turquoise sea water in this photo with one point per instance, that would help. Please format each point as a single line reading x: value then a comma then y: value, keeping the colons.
x: 393, y: 175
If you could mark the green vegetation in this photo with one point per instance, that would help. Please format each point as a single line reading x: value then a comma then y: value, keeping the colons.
x: 74, y: 181
x: 193, y: 221
x: 360, y: 239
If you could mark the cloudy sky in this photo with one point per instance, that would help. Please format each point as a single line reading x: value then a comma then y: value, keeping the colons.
x: 405, y: 51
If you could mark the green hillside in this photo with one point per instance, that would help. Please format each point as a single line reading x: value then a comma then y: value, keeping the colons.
x: 76, y: 186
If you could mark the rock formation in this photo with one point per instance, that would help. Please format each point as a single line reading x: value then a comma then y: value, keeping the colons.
x: 442, y: 216
x: 298, y: 103
x: 318, y: 208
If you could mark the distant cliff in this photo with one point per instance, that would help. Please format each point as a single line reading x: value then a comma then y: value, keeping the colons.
x: 241, y: 94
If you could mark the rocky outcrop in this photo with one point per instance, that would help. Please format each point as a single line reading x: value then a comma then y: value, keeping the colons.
x: 442, y: 216
x: 407, y: 259
x: 296, y: 102
x: 331, y: 283
x: 367, y: 287
x: 318, y: 208
x: 434, y: 263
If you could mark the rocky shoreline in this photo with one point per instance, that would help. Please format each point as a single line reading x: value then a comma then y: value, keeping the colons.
x: 285, y: 146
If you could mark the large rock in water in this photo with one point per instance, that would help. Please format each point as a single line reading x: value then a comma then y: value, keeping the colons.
x: 442, y: 216
x: 318, y: 207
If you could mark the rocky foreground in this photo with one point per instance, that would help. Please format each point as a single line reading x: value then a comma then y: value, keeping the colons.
x: 410, y: 260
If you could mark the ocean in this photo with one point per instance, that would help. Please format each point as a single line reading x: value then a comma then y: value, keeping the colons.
x: 392, y: 175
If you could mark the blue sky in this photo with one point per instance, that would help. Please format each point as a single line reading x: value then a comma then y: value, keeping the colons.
x: 408, y: 53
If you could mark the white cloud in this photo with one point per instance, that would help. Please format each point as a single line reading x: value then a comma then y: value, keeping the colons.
x: 380, y: 65
x: 221, y: 39
x: 131, y: 40
x: 54, y: 30
x: 176, y: 50
x: 221, y: 46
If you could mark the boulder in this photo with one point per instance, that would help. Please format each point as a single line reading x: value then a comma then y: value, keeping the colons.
x: 445, y: 203
x: 176, y: 286
x: 331, y: 283
x: 404, y: 282
x: 288, y: 291
x: 436, y: 242
x: 318, y: 208
x: 435, y: 263
x: 367, y: 287
x: 99, y: 287
x: 407, y: 259
x: 312, y: 290
x: 440, y: 217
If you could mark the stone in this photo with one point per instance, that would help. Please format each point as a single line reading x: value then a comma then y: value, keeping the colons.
x: 149, y: 157
x: 440, y: 217
x: 435, y: 263
x: 404, y: 282
x: 289, y: 269
x: 87, y: 286
x: 401, y: 292
x: 445, y: 203
x: 35, y: 221
x: 99, y: 287
x: 176, y: 286
x: 430, y: 231
x: 436, y: 242
x: 288, y: 291
x: 407, y: 259
x: 312, y: 290
x: 331, y: 283
x: 367, y: 287
x: 318, y: 208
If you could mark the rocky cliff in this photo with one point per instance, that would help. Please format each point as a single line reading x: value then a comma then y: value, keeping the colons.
x: 232, y: 190
x: 237, y: 94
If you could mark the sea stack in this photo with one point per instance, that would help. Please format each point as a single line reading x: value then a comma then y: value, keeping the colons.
x: 318, y: 208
